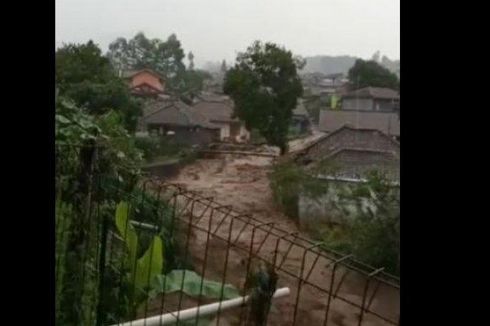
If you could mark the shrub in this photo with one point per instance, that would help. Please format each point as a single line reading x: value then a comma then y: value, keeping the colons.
x: 372, y: 233
x: 370, y: 212
x: 150, y: 146
x: 288, y: 181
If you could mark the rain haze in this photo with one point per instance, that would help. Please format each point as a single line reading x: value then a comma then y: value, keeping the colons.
x: 217, y: 29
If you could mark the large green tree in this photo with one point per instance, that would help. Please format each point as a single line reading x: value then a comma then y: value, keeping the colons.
x: 371, y: 73
x: 87, y: 77
x: 265, y: 86
x: 164, y: 57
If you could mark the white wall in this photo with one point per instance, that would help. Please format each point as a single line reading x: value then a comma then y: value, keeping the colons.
x: 224, y: 130
x: 244, y: 133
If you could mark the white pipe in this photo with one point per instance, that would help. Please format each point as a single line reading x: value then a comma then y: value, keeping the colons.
x: 191, y: 313
x: 145, y: 225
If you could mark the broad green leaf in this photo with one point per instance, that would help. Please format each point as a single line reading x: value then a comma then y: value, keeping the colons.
x: 127, y: 232
x: 150, y: 265
x: 62, y: 119
x: 172, y: 282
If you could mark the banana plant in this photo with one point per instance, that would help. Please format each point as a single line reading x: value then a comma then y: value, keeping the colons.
x: 141, y: 271
x: 145, y: 273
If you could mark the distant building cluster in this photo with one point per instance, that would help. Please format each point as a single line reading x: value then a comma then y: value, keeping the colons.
x: 209, y: 118
x: 361, y: 126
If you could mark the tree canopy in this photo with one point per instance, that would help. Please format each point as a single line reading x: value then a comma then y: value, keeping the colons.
x: 164, y: 57
x: 371, y: 73
x: 265, y: 86
x: 87, y: 77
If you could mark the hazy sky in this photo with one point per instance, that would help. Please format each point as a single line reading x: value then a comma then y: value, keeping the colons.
x: 217, y: 29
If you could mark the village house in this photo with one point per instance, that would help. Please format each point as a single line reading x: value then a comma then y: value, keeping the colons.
x: 181, y: 122
x: 145, y: 82
x: 367, y: 108
x: 345, y: 156
x: 203, y: 122
x: 220, y: 114
x: 353, y: 152
x: 386, y: 122
x: 324, y: 86
x: 373, y: 99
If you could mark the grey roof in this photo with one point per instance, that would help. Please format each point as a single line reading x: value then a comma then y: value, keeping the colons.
x: 212, y: 97
x: 339, y: 130
x: 373, y: 92
x: 150, y: 106
x: 361, y: 144
x: 387, y: 122
x: 176, y: 113
x: 215, y: 111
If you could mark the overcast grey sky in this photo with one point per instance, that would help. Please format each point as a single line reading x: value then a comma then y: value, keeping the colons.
x: 217, y: 29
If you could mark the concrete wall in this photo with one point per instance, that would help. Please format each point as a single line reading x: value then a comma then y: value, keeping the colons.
x: 323, y: 210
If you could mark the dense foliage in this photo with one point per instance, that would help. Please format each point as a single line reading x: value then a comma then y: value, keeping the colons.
x: 265, y: 87
x: 371, y: 73
x: 87, y: 78
x: 288, y: 181
x: 159, y: 149
x: 164, y: 57
x: 97, y: 166
x: 372, y: 228
x: 370, y: 212
x: 146, y: 273
x: 94, y: 155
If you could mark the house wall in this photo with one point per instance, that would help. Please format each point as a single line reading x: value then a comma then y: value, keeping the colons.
x: 384, y: 105
x: 148, y: 78
x: 244, y: 134
x: 360, y: 104
x: 224, y: 130
x: 188, y: 135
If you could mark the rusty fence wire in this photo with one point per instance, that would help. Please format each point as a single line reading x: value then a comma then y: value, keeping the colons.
x: 208, y: 253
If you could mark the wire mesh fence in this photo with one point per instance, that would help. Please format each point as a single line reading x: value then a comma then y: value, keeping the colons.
x: 129, y: 252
